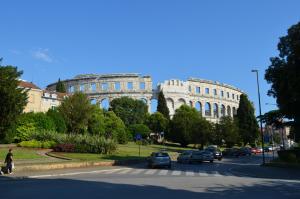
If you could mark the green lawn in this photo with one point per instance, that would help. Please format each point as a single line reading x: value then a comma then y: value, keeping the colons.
x: 20, y: 154
x: 128, y: 151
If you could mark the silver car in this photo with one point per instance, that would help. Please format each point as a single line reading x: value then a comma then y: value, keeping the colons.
x: 200, y: 156
x: 159, y: 159
x: 184, y: 157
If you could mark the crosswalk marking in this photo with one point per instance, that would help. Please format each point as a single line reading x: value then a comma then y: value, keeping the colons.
x: 189, y: 173
x: 216, y: 174
x: 110, y: 171
x: 125, y: 171
x: 137, y: 171
x: 150, y: 172
x: 176, y: 173
x: 203, y: 174
x: 163, y: 172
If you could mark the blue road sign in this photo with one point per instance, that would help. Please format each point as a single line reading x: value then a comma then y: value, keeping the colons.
x: 138, y: 136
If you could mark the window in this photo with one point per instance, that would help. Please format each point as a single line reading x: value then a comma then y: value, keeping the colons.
x: 237, y: 97
x: 117, y: 86
x: 206, y: 90
x: 71, y: 89
x: 198, y: 90
x: 142, y: 85
x: 222, y: 93
x: 232, y: 96
x: 93, y: 86
x: 81, y: 87
x: 227, y: 94
x: 215, y: 91
x: 190, y: 89
x: 104, y: 86
x: 129, y: 85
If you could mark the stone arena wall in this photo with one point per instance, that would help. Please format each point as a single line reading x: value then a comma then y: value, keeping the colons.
x: 211, y: 98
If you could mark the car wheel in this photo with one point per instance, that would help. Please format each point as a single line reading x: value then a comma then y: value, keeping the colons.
x: 211, y: 161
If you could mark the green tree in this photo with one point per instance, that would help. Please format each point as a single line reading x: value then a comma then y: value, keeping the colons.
x: 141, y: 129
x: 183, y: 124
x: 247, y: 123
x: 201, y: 131
x: 131, y: 111
x: 76, y: 111
x: 157, y: 122
x: 57, y: 118
x: 13, y: 98
x: 162, y: 105
x: 115, y: 128
x: 96, y: 123
x: 228, y: 130
x: 283, y: 75
x: 60, y: 86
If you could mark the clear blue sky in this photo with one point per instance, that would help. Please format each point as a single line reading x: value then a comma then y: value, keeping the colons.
x: 210, y: 39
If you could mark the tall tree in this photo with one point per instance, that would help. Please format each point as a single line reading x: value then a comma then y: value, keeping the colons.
x: 228, y: 130
x: 247, y: 123
x: 162, y: 105
x: 76, y: 111
x: 157, y: 122
x: 60, y: 86
x: 13, y: 98
x: 131, y: 111
x: 283, y: 75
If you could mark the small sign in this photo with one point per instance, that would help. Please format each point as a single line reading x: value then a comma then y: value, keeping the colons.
x: 138, y: 136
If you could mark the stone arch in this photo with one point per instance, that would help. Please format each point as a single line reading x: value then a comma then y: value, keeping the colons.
x: 228, y: 111
x: 170, y: 105
x: 223, y: 110
x: 198, y: 106
x: 233, y: 111
x: 216, y: 110
x: 104, y: 103
x: 153, y: 105
x: 181, y: 102
x: 93, y: 101
x: 207, y: 109
x: 144, y: 100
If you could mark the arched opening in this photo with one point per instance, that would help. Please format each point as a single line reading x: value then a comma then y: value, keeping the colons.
x: 234, y: 110
x: 93, y: 101
x: 181, y: 102
x: 191, y: 104
x: 170, y: 104
x: 207, y: 109
x: 104, y: 103
x: 222, y: 110
x: 216, y: 110
x: 198, y: 106
x: 144, y: 100
x: 153, y: 105
x: 228, y: 111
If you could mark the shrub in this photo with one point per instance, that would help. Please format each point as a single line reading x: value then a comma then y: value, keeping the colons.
x: 64, y: 148
x: 139, y: 129
x: 291, y: 156
x: 57, y: 118
x: 37, y: 144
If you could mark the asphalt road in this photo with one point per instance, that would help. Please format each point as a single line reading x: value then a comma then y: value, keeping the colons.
x: 229, y: 178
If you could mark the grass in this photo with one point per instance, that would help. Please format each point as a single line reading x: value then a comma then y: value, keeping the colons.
x: 20, y: 154
x: 124, y: 152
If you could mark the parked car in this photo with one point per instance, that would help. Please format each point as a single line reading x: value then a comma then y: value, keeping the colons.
x: 258, y: 150
x: 184, y: 157
x: 268, y: 148
x: 216, y: 152
x: 200, y: 156
x: 245, y: 151
x: 159, y: 159
x: 231, y: 152
x: 253, y: 150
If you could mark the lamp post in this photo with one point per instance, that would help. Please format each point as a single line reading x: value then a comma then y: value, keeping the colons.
x: 260, y: 121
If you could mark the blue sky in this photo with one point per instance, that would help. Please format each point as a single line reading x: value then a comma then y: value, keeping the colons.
x: 210, y: 39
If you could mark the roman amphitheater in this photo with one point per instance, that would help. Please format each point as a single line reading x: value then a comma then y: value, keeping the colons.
x: 211, y: 98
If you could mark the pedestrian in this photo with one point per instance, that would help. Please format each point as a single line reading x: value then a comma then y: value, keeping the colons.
x: 9, y: 161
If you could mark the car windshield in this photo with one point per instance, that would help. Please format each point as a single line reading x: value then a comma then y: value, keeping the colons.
x: 161, y: 155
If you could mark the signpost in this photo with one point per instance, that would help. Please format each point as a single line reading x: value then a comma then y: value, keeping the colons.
x: 138, y: 138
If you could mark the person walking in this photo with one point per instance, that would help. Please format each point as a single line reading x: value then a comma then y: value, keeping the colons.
x: 9, y: 161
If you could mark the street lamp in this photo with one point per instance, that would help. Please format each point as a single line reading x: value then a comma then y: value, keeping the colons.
x: 261, y: 129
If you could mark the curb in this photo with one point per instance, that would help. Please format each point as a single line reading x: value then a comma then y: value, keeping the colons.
x: 282, y: 165
x: 68, y: 165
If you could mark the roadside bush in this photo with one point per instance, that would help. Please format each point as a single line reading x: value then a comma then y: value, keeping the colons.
x: 37, y: 144
x: 291, y: 156
x: 57, y: 118
x: 115, y: 128
x: 139, y: 129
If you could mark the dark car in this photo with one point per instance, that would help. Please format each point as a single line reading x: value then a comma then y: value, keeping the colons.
x: 184, y: 157
x: 200, y: 156
x: 159, y: 159
x: 216, y: 152
x: 245, y: 151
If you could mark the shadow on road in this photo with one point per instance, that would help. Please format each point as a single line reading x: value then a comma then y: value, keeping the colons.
x: 69, y: 188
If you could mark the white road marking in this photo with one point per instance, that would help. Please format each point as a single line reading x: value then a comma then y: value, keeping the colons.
x: 216, y: 174
x: 203, y: 174
x: 124, y: 171
x: 176, y: 173
x: 150, y: 172
x: 77, y: 173
x: 163, y: 172
x: 137, y: 171
x: 189, y: 173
